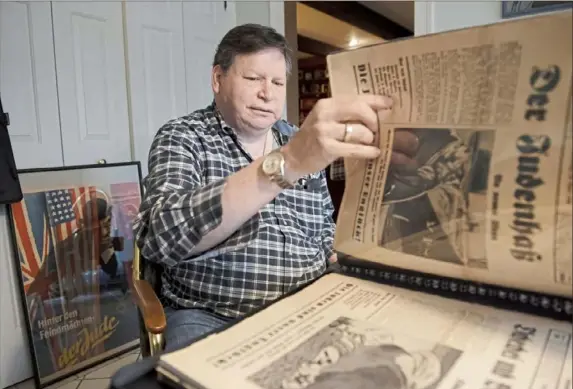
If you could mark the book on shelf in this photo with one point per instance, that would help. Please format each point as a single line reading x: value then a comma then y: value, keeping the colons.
x: 454, y: 274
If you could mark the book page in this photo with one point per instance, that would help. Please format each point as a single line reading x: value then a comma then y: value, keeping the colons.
x: 342, y: 332
x: 490, y: 197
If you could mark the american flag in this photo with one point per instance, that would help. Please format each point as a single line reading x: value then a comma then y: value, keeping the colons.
x: 75, y: 229
x: 60, y: 207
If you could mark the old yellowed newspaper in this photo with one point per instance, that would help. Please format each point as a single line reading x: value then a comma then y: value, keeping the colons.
x: 346, y: 333
x: 490, y: 198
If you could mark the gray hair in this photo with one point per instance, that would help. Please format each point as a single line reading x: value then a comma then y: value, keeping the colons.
x: 249, y: 39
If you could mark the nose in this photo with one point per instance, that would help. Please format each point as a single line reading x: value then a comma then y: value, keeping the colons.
x: 266, y: 90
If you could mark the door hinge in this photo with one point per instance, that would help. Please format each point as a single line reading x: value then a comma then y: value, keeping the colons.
x: 225, y: 5
x: 5, y: 119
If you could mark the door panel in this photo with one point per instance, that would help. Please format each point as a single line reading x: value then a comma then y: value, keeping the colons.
x: 157, y: 80
x: 92, y: 86
x: 28, y: 83
x: 29, y: 95
x: 205, y: 24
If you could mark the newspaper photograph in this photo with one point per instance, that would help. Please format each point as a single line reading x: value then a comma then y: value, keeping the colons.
x: 342, y: 332
x: 489, y: 199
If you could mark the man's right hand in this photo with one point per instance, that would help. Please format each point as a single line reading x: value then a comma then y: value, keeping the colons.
x: 321, y: 138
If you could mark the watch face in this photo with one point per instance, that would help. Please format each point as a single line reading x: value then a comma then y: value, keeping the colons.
x: 272, y: 164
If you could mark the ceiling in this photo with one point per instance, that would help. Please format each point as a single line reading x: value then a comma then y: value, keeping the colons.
x: 400, y: 11
x: 322, y: 27
x: 325, y: 28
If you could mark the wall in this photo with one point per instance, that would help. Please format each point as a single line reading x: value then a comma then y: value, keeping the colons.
x: 252, y: 12
x: 438, y: 16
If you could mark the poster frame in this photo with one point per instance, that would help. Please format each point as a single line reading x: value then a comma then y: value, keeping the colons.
x: 128, y: 346
x: 507, y: 11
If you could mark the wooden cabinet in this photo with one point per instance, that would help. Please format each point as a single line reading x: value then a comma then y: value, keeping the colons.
x: 313, y: 84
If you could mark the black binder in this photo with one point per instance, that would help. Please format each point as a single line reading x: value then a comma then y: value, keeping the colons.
x: 544, y: 305
x: 10, y: 189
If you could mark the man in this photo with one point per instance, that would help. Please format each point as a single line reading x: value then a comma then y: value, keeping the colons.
x: 236, y: 207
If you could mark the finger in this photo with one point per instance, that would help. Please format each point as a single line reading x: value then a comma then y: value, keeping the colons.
x: 352, y: 150
x: 363, y: 109
x: 353, y: 133
x: 398, y: 158
x: 376, y: 102
x: 406, y: 142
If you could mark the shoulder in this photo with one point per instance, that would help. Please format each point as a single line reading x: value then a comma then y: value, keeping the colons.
x: 188, y: 128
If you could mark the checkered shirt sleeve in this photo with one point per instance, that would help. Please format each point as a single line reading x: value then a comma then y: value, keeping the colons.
x: 178, y: 208
x: 337, y: 170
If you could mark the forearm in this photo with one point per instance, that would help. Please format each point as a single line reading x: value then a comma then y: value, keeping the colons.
x: 244, y: 194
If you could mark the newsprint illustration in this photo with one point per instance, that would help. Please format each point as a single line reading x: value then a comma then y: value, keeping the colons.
x: 436, y: 211
x: 351, y: 353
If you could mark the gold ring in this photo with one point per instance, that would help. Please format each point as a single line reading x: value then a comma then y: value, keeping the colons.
x: 347, y: 133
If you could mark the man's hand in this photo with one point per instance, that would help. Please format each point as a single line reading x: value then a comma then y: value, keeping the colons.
x: 321, y: 139
x: 333, y: 258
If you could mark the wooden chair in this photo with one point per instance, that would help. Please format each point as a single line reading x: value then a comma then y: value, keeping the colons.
x: 152, y: 321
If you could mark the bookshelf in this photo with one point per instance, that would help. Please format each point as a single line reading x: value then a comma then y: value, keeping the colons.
x: 313, y: 85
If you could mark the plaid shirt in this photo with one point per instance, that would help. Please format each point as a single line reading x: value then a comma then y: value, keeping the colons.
x: 286, y: 244
x: 337, y: 170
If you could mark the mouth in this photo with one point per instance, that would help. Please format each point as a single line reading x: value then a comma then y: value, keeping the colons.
x: 261, y: 110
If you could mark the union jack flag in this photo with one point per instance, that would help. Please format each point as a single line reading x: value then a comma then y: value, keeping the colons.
x: 33, y: 238
x: 58, y: 234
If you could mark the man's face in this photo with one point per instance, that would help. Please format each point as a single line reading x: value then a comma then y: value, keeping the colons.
x: 251, y: 95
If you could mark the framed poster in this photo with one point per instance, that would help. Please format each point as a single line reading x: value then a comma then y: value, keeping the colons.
x: 74, y: 246
x: 511, y: 9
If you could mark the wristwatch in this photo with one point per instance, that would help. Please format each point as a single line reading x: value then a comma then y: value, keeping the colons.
x: 273, y: 167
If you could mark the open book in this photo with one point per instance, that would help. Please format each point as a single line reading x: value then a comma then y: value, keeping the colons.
x: 456, y: 274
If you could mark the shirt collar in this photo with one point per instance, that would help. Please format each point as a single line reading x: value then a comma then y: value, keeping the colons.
x: 224, y: 126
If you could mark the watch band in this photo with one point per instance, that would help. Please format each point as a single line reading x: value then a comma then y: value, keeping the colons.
x: 280, y: 181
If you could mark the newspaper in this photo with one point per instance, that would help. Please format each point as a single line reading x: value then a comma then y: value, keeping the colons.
x: 490, y: 200
x: 341, y: 333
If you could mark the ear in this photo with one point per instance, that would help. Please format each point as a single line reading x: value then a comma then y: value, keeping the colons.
x: 216, y: 75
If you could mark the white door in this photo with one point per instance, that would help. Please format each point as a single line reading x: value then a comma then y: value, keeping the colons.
x: 28, y: 83
x: 29, y: 95
x: 205, y: 23
x: 157, y: 80
x: 15, y: 365
x: 92, y: 88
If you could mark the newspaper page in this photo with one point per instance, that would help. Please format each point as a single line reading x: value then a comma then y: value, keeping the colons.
x: 490, y: 197
x: 346, y: 333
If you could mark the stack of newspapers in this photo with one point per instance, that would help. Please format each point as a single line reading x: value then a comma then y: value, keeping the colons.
x: 456, y: 274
